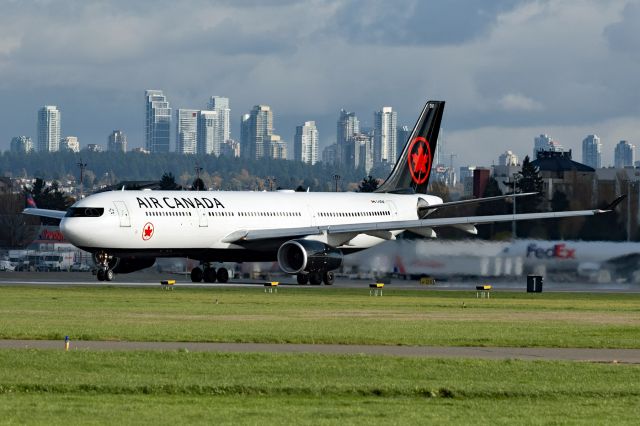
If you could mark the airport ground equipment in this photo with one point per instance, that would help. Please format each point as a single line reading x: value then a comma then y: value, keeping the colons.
x: 375, y: 289
x: 271, y: 287
x: 167, y: 284
x: 483, y: 291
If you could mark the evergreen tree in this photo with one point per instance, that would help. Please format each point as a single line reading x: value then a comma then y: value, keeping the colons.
x: 168, y: 182
x: 368, y: 184
x: 198, y: 185
x: 528, y: 180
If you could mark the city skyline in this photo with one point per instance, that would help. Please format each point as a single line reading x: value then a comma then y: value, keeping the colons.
x: 508, y: 69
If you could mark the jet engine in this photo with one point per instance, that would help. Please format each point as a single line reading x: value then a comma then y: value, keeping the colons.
x: 132, y: 264
x: 296, y: 256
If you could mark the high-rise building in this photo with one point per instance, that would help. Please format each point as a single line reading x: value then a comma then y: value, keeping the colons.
x: 117, y: 141
x: 348, y: 125
x: 230, y: 149
x: 21, y: 145
x: 49, y: 128
x: 404, y: 132
x: 545, y: 143
x: 245, y: 149
x: 158, y: 122
x: 186, y: 131
x: 305, y: 143
x: 220, y: 105
x: 385, y: 134
x: 70, y: 143
x: 329, y: 154
x: 592, y: 151
x: 94, y: 147
x: 624, y: 155
x: 259, y: 131
x: 508, y: 159
x: 277, y: 148
x: 207, y: 128
x: 361, y: 152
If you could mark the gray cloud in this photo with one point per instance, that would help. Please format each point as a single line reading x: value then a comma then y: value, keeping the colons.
x: 416, y: 22
x: 624, y: 35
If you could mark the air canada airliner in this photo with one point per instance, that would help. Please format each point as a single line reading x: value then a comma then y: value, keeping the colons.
x: 307, y: 233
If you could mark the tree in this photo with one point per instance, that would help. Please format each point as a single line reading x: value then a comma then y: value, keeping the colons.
x: 198, y: 185
x: 528, y: 180
x: 168, y: 182
x: 49, y: 197
x: 16, y: 229
x: 368, y: 184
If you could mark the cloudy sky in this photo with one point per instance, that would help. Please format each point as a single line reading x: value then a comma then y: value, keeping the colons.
x: 508, y: 69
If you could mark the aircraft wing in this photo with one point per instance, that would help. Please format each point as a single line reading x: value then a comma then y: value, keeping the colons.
x: 54, y: 214
x: 241, y: 236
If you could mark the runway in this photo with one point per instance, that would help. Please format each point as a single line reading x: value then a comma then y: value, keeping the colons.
x: 152, y: 279
x: 626, y: 356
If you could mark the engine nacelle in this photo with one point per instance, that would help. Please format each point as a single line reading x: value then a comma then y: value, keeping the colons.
x: 296, y: 256
x: 132, y: 264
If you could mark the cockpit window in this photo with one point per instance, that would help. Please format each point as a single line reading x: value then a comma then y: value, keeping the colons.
x: 85, y: 212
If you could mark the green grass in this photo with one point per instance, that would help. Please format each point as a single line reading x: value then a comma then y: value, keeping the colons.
x: 322, y: 315
x: 56, y: 387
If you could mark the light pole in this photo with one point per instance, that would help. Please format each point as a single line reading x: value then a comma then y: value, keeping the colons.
x: 628, y: 210
x: 513, y: 223
x: 197, y: 181
x: 336, y: 178
x: 82, y: 167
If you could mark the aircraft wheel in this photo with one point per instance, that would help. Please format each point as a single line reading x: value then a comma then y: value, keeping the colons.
x: 222, y: 275
x: 303, y: 279
x: 101, y: 274
x: 109, y: 275
x: 196, y: 275
x: 328, y: 278
x: 315, y: 278
x: 210, y: 275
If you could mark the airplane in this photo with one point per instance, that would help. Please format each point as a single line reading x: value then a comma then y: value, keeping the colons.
x: 307, y: 233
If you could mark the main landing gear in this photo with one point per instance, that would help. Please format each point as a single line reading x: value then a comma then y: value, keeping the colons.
x: 106, y: 263
x: 209, y: 274
x: 316, y: 278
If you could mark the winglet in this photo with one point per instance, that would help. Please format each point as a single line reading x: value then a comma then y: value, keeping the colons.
x: 615, y: 202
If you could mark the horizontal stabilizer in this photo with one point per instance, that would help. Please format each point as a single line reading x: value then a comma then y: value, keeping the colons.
x: 54, y: 214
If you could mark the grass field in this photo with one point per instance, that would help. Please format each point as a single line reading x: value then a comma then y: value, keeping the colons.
x: 180, y: 387
x: 322, y: 315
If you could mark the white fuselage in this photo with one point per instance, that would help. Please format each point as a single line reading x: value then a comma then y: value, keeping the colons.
x: 178, y: 222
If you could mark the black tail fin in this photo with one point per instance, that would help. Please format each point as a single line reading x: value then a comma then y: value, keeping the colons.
x: 411, y: 172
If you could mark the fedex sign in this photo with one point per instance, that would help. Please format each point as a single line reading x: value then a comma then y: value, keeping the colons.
x: 557, y: 251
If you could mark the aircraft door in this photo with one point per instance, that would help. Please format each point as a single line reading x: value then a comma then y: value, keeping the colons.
x: 123, y: 213
x: 202, y: 218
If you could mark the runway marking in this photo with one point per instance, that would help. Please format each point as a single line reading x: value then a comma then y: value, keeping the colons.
x: 623, y: 356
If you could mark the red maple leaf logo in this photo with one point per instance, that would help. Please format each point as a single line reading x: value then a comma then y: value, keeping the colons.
x: 419, y: 160
x: 147, y: 231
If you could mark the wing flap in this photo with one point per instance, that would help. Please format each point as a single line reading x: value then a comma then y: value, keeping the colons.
x: 466, y: 223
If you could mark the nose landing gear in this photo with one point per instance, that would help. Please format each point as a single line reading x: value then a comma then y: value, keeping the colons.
x: 106, y: 264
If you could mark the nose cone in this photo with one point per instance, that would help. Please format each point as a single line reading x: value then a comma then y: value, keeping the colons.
x: 71, y: 229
